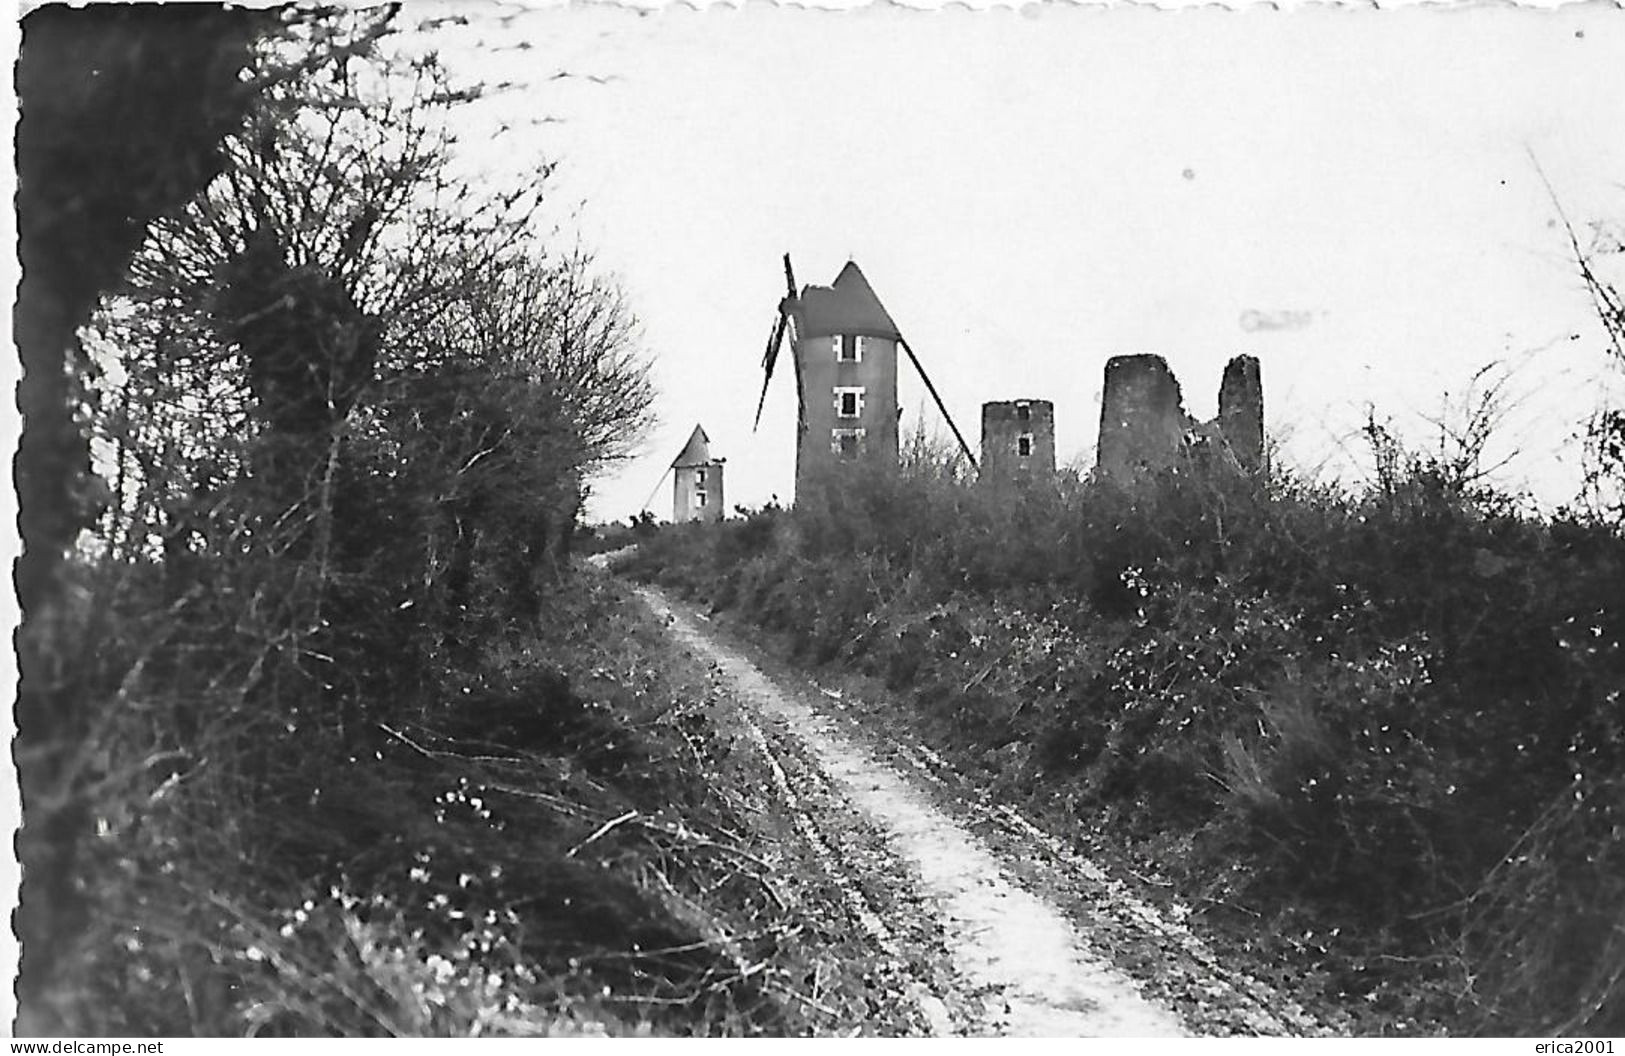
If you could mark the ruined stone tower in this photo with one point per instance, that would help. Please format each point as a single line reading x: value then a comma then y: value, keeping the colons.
x: 1241, y: 411
x: 1018, y: 440
x: 1142, y: 416
x: 1144, y: 427
x: 697, y: 481
x: 846, y: 373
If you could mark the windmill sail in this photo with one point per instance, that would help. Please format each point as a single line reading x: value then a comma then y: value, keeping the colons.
x: 789, y: 310
x: 775, y: 338
x: 932, y: 389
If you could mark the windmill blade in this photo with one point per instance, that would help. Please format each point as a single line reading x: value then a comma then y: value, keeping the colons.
x: 654, y: 491
x: 775, y: 338
x: 932, y: 389
x: 789, y: 277
x: 775, y: 334
x: 788, y: 314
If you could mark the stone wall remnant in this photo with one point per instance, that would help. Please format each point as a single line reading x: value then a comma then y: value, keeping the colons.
x: 1144, y: 426
x: 1241, y: 411
x: 1142, y: 416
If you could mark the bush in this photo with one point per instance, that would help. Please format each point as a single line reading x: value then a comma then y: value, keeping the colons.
x: 1371, y: 713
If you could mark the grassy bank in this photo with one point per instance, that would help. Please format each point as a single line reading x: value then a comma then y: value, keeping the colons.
x: 553, y: 840
x: 1376, y: 737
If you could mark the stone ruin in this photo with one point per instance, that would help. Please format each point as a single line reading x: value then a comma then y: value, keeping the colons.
x: 1018, y: 441
x: 1144, y: 426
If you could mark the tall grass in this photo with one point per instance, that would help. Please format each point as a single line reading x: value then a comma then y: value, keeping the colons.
x: 1385, y: 723
x: 525, y: 844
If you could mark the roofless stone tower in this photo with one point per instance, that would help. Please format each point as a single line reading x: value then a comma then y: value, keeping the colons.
x: 1144, y: 427
x: 1018, y: 440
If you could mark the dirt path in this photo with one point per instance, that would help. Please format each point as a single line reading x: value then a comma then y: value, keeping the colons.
x: 987, y: 924
x: 1017, y: 965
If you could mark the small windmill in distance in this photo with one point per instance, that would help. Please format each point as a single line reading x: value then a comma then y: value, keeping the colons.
x: 844, y: 349
x: 697, y: 481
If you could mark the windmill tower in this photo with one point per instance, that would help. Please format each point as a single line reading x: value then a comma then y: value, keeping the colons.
x: 697, y: 481
x: 844, y: 348
x: 1018, y: 440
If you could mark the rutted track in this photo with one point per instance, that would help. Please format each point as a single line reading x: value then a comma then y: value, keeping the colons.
x: 1030, y: 937
x: 1211, y: 997
x: 1019, y: 966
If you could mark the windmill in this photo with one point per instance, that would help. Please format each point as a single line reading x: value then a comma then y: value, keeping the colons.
x: 697, y: 493
x: 697, y: 481
x: 844, y: 349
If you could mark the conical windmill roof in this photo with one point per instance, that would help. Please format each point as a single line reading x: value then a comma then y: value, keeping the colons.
x: 697, y: 452
x: 847, y: 306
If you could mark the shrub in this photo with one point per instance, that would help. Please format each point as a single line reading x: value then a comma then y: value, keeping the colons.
x: 1374, y: 710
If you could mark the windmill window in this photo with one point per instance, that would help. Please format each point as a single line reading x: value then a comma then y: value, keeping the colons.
x: 699, y: 499
x: 699, y: 476
x: 847, y: 443
x: 1024, y: 445
x: 1024, y: 412
x: 849, y: 402
x: 848, y: 348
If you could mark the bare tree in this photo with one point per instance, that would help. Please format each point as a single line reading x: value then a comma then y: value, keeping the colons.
x: 534, y: 381
x: 1605, y: 429
x: 1605, y: 433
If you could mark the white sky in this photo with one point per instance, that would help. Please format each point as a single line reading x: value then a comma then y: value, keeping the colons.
x: 1032, y: 192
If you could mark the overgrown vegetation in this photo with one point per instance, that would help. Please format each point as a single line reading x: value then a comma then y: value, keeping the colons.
x: 551, y: 843
x: 318, y: 735
x: 1378, y: 735
x: 337, y: 742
